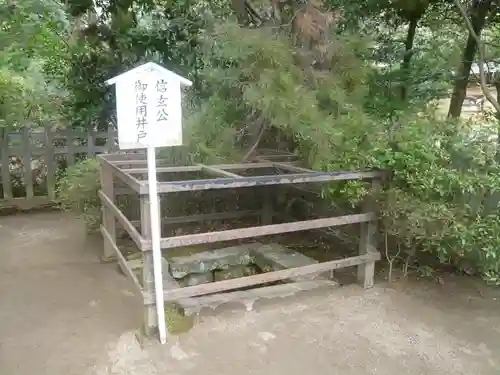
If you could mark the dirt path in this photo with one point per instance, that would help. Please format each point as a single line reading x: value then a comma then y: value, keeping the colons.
x: 59, y: 307
x: 63, y: 313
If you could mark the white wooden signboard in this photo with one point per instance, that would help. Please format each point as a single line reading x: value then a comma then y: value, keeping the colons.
x: 149, y: 115
x: 148, y: 107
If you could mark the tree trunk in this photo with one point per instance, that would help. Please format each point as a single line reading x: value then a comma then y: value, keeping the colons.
x: 241, y: 12
x: 405, y: 67
x: 478, y: 12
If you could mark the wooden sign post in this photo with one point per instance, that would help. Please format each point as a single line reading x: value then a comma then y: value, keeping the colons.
x: 149, y: 115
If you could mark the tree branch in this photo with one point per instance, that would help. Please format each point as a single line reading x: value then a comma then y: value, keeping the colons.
x: 252, y: 149
x: 480, y: 46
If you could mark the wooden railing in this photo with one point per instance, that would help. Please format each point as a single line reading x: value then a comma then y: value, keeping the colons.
x: 31, y: 157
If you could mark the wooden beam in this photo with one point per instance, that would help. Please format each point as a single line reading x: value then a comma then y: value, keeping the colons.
x: 5, y: 162
x: 218, y: 171
x: 194, y: 168
x: 368, y: 240
x: 28, y: 173
x: 206, y: 217
x: 125, y: 177
x: 50, y: 162
x: 108, y: 218
x: 290, y: 273
x: 293, y: 168
x: 121, y: 260
x: 233, y: 183
x: 126, y: 156
x: 265, y: 230
x: 188, y: 168
x: 125, y: 223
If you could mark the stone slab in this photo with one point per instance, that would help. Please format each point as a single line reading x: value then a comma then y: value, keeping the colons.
x: 211, y: 260
x: 250, y: 296
x: 279, y: 257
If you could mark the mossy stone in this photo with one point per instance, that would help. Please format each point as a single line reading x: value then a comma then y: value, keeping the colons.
x: 176, y: 320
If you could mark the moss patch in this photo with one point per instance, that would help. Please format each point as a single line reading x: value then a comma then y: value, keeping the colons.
x: 176, y: 320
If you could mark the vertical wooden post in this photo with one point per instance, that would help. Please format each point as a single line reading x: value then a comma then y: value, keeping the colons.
x: 368, y: 240
x: 267, y: 205
x: 5, y: 161
x: 28, y: 173
x: 70, y: 147
x: 108, y: 220
x: 150, y: 317
x: 49, y: 161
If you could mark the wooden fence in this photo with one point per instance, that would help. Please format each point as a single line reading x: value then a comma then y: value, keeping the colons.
x: 31, y: 157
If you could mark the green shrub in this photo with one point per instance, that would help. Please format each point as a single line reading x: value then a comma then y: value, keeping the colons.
x: 441, y: 203
x: 77, y: 192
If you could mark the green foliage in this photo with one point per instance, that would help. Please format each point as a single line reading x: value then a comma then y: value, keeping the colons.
x: 254, y: 76
x: 77, y: 192
x: 441, y: 199
x: 164, y: 32
x: 340, y: 106
x: 32, y: 52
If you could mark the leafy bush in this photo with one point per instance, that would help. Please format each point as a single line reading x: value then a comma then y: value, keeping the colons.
x: 77, y: 192
x: 442, y: 200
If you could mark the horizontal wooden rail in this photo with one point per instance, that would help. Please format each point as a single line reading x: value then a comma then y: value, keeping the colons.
x: 265, y: 230
x: 37, y: 152
x: 221, y: 286
x: 41, y: 150
x: 189, y: 168
x: 217, y: 171
x: 125, y: 177
x: 206, y: 217
x: 122, y: 261
x: 293, y: 168
x: 232, y: 183
x: 125, y: 223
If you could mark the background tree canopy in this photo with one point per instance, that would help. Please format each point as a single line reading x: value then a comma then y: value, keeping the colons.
x: 345, y: 84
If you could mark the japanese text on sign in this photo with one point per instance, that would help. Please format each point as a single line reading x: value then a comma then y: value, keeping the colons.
x: 161, y: 103
x: 141, y: 109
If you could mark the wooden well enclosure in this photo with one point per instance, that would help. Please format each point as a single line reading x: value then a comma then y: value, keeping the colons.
x: 130, y: 170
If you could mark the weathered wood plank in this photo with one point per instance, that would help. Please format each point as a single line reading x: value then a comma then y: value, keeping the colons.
x: 28, y: 172
x: 293, y: 168
x: 124, y: 222
x: 124, y: 266
x: 248, y: 297
x: 108, y: 217
x: 368, y: 241
x: 263, y: 278
x: 28, y: 143
x: 6, y: 182
x: 205, y: 217
x: 267, y: 206
x: 249, y: 181
x: 15, y: 205
x: 123, y: 175
x: 265, y: 230
x: 50, y: 162
x: 218, y: 172
x: 189, y: 168
x: 70, y: 147
x: 40, y: 151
